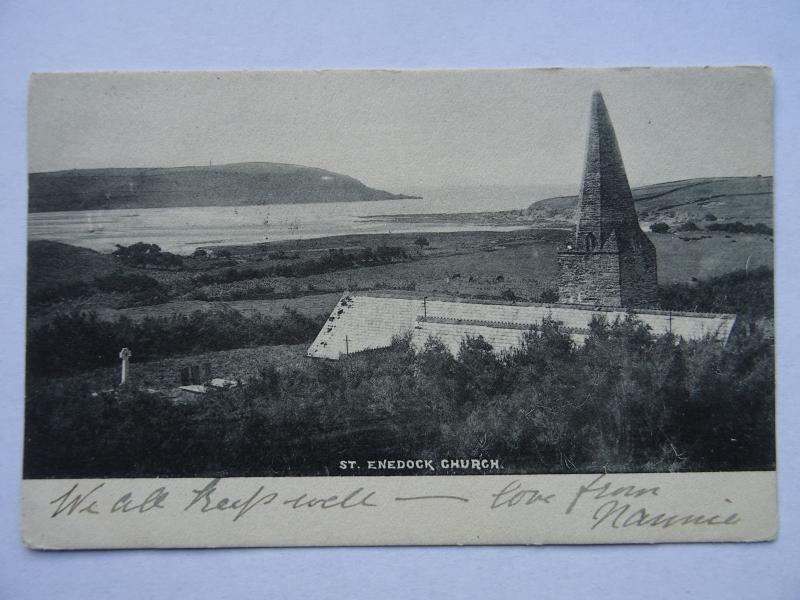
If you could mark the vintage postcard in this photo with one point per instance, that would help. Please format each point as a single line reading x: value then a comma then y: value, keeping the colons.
x: 381, y: 307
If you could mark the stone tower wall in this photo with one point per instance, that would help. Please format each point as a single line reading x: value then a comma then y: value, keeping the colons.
x: 624, y: 278
x: 589, y: 278
x: 611, y: 261
x: 639, y: 277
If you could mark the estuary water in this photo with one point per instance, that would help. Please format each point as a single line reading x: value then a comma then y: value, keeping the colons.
x: 181, y: 230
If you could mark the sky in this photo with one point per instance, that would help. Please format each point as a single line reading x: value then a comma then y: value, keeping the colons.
x: 405, y: 130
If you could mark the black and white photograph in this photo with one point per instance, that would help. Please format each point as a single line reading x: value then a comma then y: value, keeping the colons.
x: 341, y: 274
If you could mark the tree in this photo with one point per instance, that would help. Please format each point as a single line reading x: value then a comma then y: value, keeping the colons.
x: 142, y: 254
x: 477, y: 370
x: 422, y: 242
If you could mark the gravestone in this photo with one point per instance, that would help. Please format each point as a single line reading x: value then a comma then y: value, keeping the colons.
x: 125, y: 355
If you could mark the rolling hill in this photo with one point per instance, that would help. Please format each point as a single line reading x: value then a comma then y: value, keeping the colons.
x: 746, y: 199
x: 220, y: 185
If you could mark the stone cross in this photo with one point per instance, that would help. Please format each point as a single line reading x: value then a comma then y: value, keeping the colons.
x: 125, y: 355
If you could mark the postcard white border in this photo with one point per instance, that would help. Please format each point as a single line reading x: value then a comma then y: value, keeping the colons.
x: 401, y: 510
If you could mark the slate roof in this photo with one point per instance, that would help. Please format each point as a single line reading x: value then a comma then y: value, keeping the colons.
x: 368, y: 321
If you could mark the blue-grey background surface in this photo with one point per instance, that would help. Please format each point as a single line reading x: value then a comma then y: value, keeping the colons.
x: 154, y: 34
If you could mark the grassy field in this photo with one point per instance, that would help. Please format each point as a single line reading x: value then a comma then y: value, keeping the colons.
x: 727, y: 198
x: 480, y: 264
x: 163, y: 374
x: 311, y: 305
x: 466, y: 264
x: 482, y: 256
x: 685, y: 257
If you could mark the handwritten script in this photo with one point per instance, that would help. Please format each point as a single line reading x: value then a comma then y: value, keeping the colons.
x: 598, y: 501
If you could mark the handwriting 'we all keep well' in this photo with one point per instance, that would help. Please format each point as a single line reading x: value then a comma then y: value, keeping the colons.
x: 604, y: 502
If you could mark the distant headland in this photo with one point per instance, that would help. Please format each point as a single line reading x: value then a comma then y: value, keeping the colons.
x: 239, y: 184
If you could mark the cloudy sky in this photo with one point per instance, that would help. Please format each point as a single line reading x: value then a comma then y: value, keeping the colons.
x: 405, y: 130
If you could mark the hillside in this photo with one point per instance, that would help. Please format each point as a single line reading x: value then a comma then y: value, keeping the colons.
x: 746, y: 199
x: 220, y: 185
x: 53, y: 263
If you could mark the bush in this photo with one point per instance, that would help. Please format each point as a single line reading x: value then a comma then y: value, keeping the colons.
x: 659, y: 228
x: 283, y: 255
x: 625, y: 400
x: 509, y: 295
x: 58, y: 293
x: 141, y: 254
x: 333, y: 261
x: 688, y: 226
x: 143, y: 289
x: 710, y: 217
x: 422, y: 242
x: 122, y: 282
x: 746, y: 293
x: 250, y: 292
x: 549, y: 296
x: 739, y: 227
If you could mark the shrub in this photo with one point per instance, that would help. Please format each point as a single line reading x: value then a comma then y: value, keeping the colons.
x: 688, y: 226
x: 509, y: 295
x: 57, y: 293
x: 739, y: 227
x: 659, y: 228
x: 144, y: 289
x: 625, y: 400
x: 747, y: 293
x: 549, y: 296
x: 122, y: 282
x: 250, y: 292
x: 710, y: 217
x: 422, y: 242
x: 333, y: 261
x: 141, y: 254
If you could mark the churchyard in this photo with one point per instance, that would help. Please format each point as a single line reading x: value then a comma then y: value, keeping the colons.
x: 503, y: 266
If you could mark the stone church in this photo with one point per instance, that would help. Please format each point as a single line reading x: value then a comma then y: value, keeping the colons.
x: 607, y: 268
x: 611, y: 262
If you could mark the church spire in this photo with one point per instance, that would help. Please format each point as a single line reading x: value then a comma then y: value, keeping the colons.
x: 611, y: 262
x: 606, y: 203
